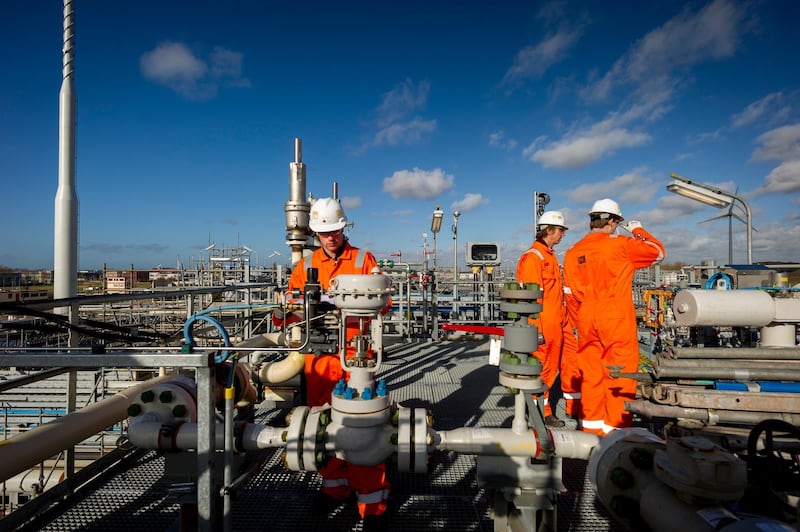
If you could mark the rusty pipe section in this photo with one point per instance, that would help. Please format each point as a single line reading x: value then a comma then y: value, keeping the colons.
x: 24, y: 451
x: 297, y: 207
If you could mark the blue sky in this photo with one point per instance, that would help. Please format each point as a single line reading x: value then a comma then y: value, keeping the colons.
x: 187, y: 114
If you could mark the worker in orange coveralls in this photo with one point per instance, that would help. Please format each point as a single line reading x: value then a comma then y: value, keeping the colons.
x: 539, y: 265
x: 570, y: 371
x: 335, y: 257
x: 599, y: 271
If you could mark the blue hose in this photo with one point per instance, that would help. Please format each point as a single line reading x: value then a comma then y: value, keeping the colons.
x: 711, y: 284
x: 189, y: 339
x: 763, y: 386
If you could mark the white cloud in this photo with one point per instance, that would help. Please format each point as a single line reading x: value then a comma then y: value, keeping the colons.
x: 712, y: 33
x: 630, y: 188
x: 403, y: 132
x: 402, y: 101
x: 498, y: 140
x: 784, y: 178
x: 396, y: 118
x: 582, y: 149
x: 782, y: 143
x: 226, y: 66
x: 418, y: 184
x: 533, y: 61
x: 756, y: 110
x: 469, y: 202
x: 175, y: 66
x: 351, y: 202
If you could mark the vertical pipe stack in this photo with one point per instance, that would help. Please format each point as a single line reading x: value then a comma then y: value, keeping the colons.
x: 65, y: 267
x: 297, y: 208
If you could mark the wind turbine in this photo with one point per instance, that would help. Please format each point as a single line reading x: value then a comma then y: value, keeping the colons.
x: 730, y: 215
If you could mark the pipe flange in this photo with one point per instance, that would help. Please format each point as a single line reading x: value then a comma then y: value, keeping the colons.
x: 511, y: 363
x: 312, y: 426
x: 404, y: 424
x: 529, y: 384
x: 420, y: 441
x: 294, y: 438
x: 359, y: 406
x: 521, y: 294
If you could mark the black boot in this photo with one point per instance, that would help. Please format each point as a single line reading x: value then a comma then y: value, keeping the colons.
x: 553, y: 422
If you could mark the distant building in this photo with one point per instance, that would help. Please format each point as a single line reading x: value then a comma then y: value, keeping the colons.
x: 10, y: 279
x: 118, y: 284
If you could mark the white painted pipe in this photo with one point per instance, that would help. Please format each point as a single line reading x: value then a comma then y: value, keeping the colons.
x: 146, y: 433
x: 280, y: 370
x: 574, y: 443
x: 729, y: 308
x: 22, y: 452
x: 256, y: 437
x: 488, y: 441
x: 505, y: 442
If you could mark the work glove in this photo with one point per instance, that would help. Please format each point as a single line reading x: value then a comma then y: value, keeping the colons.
x: 631, y: 225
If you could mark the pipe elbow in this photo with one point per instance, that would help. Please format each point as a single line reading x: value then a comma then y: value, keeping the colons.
x: 282, y: 370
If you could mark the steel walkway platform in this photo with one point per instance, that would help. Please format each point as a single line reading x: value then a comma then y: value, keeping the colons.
x: 450, y: 378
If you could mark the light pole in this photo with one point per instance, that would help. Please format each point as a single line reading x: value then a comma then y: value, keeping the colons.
x: 456, y: 214
x: 715, y: 197
x: 436, y: 226
x: 424, y: 252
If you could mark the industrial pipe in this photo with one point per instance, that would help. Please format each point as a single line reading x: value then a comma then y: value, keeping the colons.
x: 738, y: 374
x: 505, y: 442
x: 726, y: 363
x: 762, y: 353
x: 708, y: 416
x: 148, y: 433
x: 24, y: 451
x: 297, y: 208
x: 280, y: 370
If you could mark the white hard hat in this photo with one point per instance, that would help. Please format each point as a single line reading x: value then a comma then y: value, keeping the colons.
x: 327, y: 215
x: 552, y: 218
x: 606, y: 206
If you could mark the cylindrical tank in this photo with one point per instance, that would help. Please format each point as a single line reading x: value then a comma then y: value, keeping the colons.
x: 731, y: 308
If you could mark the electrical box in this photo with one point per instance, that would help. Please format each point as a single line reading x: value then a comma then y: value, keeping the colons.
x: 483, y: 254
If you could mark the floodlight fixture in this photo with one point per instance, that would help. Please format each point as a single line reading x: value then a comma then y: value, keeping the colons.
x: 436, y: 221
x: 701, y: 194
x: 714, y: 197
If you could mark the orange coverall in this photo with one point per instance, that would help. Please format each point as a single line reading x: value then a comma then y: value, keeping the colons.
x: 599, y: 270
x: 539, y: 265
x: 570, y: 370
x: 340, y: 478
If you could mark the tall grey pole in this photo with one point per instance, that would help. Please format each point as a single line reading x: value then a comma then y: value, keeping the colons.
x: 456, y: 214
x: 65, y: 256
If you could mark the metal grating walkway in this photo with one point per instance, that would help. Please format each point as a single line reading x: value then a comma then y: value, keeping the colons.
x: 449, y: 378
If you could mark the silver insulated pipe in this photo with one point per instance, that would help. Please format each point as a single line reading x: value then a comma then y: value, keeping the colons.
x: 65, y: 255
x: 297, y: 208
